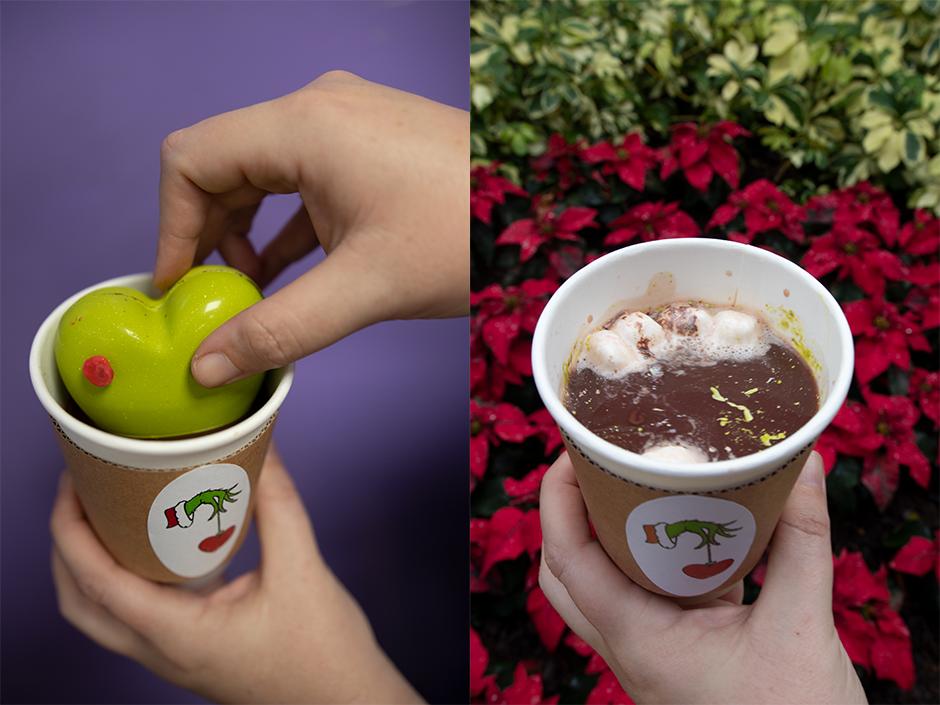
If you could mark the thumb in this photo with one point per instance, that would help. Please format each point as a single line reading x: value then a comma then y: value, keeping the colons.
x: 799, y: 570
x: 332, y: 300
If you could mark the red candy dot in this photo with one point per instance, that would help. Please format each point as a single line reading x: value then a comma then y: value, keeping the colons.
x: 97, y: 370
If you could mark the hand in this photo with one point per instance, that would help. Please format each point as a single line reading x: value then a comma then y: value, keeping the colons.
x: 286, y: 632
x: 784, y: 648
x: 384, y: 179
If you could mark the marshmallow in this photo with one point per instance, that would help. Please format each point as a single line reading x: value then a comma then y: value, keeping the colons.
x: 674, y: 453
x: 636, y: 342
x: 686, y: 320
x: 609, y: 355
x: 737, y: 336
x: 639, y: 330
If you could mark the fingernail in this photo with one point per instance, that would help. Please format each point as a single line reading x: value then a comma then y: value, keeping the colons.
x: 813, y: 474
x: 214, y: 369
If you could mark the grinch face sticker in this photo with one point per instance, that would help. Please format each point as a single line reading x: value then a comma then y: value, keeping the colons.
x: 689, y: 544
x: 194, y: 520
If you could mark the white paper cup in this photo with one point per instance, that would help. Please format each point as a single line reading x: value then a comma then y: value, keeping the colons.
x: 150, y: 501
x: 632, y: 499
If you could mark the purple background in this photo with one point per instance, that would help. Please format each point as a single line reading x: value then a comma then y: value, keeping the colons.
x: 375, y: 429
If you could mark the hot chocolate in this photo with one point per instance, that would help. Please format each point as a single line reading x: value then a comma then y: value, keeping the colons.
x: 689, y: 382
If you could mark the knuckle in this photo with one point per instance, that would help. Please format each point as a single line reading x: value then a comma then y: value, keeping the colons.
x: 557, y: 563
x: 813, y: 525
x: 337, y: 76
x: 94, y: 589
x: 269, y: 340
x: 172, y: 144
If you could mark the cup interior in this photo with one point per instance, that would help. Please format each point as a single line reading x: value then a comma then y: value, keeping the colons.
x: 798, y: 308
x: 142, y: 453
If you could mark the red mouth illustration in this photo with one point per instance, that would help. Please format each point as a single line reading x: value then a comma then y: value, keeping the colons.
x: 214, y: 543
x: 701, y: 571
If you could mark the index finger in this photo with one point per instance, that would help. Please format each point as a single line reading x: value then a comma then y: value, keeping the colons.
x: 142, y: 605
x: 235, y: 159
x: 606, y: 597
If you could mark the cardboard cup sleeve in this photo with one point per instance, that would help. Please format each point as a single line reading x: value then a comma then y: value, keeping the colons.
x: 120, y: 503
x: 675, y: 563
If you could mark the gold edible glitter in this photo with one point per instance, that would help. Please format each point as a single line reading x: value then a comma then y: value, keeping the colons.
x: 766, y: 438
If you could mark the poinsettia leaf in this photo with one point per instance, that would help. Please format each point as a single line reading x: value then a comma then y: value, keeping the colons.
x: 479, y: 658
x: 854, y: 584
x: 498, y: 334
x: 547, y: 622
x: 576, y: 218
x: 856, y: 634
x: 600, y: 152
x: 821, y: 258
x: 880, y: 476
x: 907, y: 453
x: 723, y: 215
x: 525, y: 234
x: 917, y: 557
x: 507, y: 538
x: 871, y: 359
x: 692, y: 152
x: 479, y: 455
x: 633, y: 173
x: 608, y: 691
x: 678, y: 224
x: 891, y: 650
x: 528, y: 487
x: 699, y: 175
x: 724, y: 160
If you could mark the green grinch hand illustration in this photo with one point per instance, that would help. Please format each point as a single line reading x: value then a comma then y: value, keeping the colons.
x: 183, y: 513
x: 667, y: 536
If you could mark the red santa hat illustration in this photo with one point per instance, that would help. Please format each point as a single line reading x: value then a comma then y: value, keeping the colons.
x: 656, y: 533
x: 177, y: 516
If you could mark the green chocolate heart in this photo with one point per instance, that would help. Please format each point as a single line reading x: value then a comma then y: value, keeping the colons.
x: 125, y: 357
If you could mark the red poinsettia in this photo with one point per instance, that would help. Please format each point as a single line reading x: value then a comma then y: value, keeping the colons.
x: 525, y: 690
x: 595, y: 663
x: 559, y: 159
x: 488, y: 188
x: 651, y: 221
x: 918, y: 556
x: 881, y: 431
x: 856, y: 253
x: 924, y: 299
x: 546, y: 225
x: 874, y: 635
x: 488, y: 378
x: 502, y: 315
x: 701, y: 152
x: 862, y: 204
x: 826, y: 447
x: 884, y: 336
x: 607, y: 691
x: 924, y: 389
x: 765, y: 208
x: 629, y: 160
x: 921, y: 236
x: 527, y: 489
x: 489, y: 424
x: 547, y: 622
x: 547, y: 430
x: 479, y: 660
x: 506, y: 535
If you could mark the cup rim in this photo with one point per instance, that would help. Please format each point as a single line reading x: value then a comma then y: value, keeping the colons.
x: 709, y: 472
x: 140, y: 446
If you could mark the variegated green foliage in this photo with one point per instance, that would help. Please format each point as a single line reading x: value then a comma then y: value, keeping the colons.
x: 848, y: 87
